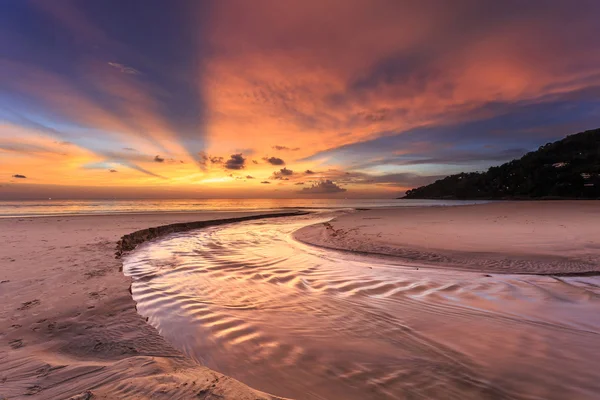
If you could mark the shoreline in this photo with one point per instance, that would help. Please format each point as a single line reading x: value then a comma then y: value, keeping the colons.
x: 498, y: 237
x: 130, y: 241
x: 152, y: 213
x: 273, y: 205
x: 69, y: 328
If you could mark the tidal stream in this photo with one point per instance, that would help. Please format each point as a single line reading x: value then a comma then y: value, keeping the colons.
x: 298, y: 321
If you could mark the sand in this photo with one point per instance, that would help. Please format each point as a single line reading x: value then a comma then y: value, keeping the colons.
x: 551, y: 237
x: 309, y: 323
x: 68, y: 324
x: 69, y: 327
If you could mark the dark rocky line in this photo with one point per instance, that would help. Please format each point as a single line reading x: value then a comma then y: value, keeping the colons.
x: 130, y: 241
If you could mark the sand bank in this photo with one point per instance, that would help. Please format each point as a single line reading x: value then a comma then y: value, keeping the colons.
x: 507, y: 237
x: 308, y: 323
x: 68, y: 324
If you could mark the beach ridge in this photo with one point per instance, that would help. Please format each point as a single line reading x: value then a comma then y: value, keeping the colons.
x: 502, y: 237
x: 130, y: 241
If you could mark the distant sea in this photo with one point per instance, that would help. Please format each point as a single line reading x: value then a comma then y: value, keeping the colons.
x: 35, y: 208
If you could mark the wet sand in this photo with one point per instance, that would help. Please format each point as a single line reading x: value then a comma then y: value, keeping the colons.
x: 270, y: 309
x: 68, y: 324
x: 544, y: 237
x: 311, y: 323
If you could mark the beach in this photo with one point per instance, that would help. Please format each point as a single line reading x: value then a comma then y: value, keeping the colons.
x: 537, y: 237
x: 69, y: 326
x: 307, y: 200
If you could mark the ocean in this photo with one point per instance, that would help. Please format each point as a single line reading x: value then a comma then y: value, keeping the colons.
x: 36, y: 208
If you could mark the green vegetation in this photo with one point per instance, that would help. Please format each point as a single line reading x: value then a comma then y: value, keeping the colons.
x: 568, y: 168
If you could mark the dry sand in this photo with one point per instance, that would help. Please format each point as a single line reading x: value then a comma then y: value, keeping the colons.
x: 68, y: 324
x: 557, y: 237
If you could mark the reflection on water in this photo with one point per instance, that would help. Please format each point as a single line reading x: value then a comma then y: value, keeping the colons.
x: 297, y: 321
x: 27, y: 208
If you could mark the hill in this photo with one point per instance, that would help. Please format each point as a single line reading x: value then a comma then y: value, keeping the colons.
x: 568, y: 168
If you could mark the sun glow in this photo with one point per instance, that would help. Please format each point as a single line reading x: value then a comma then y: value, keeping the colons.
x: 218, y: 180
x: 376, y: 97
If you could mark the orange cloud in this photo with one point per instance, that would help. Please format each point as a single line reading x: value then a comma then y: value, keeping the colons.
x: 328, y: 74
x: 279, y: 80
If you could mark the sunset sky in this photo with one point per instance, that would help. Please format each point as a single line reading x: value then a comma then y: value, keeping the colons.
x: 284, y: 98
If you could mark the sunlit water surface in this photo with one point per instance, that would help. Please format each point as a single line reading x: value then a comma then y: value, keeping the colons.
x: 33, y: 208
x: 298, y: 321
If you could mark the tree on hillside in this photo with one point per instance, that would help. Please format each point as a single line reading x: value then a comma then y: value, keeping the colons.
x: 568, y: 168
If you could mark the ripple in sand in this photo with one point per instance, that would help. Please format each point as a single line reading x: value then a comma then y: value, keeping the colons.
x: 247, y: 300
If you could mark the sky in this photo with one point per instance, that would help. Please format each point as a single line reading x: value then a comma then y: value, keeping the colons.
x: 294, y: 98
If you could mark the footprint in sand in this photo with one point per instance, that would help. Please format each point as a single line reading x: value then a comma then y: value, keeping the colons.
x: 28, y: 304
x: 35, y: 389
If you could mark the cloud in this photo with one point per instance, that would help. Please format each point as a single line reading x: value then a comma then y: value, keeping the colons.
x: 157, y: 104
x: 249, y: 177
x: 416, y: 67
x: 282, y: 174
x: 457, y: 158
x: 19, y: 176
x: 27, y: 148
x: 384, y: 68
x: 236, y: 161
x: 129, y: 149
x: 299, y: 183
x: 285, y: 148
x: 113, y: 170
x: 159, y: 159
x: 206, y: 159
x: 376, y: 116
x: 495, y: 133
x: 124, y: 69
x: 397, y: 180
x: 266, y: 182
x: 246, y: 151
x: 98, y: 165
x: 400, y: 180
x: 128, y: 156
x: 274, y: 160
x: 105, y: 165
x: 126, y: 159
x: 322, y: 187
x: 143, y: 170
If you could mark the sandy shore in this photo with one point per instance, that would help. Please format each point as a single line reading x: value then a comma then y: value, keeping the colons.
x: 68, y: 324
x: 507, y: 237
